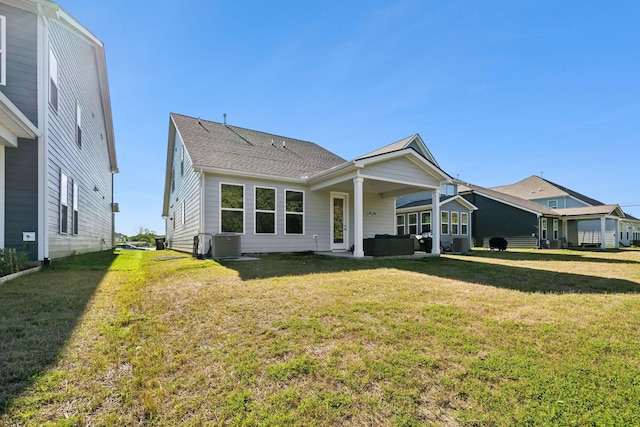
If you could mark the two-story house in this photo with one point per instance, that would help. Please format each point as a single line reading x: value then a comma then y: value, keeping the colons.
x: 57, y: 151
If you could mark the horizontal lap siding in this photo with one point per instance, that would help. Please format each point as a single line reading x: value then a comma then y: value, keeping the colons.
x: 401, y: 170
x: 316, y: 216
x: 378, y: 215
x: 187, y: 190
x: 88, y: 165
x: 21, y: 163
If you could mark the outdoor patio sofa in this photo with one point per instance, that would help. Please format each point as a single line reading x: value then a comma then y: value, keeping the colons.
x: 389, y: 245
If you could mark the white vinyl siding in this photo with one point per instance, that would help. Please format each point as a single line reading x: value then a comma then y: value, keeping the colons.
x: 3, y: 50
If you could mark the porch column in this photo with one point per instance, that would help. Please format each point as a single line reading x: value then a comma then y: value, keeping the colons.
x: 603, y: 233
x: 358, y: 217
x: 617, y: 233
x: 435, y: 229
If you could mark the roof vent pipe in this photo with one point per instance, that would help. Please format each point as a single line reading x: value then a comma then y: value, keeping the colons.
x: 224, y: 117
x: 284, y: 144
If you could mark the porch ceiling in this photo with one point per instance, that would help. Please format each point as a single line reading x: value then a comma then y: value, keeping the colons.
x: 381, y: 187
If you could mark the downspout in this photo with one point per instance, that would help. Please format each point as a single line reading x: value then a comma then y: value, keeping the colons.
x: 43, y: 158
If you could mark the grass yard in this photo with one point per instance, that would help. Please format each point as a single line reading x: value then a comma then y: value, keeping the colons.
x: 540, y: 338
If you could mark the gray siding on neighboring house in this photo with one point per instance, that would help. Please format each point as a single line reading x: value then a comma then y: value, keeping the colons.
x: 88, y: 165
x: 562, y: 202
x: 495, y: 219
x: 21, y: 195
x: 22, y: 59
x: 182, y: 229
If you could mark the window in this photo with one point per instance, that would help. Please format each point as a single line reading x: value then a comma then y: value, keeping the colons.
x: 444, y: 222
x: 182, y: 161
x: 413, y: 223
x: 53, y: 80
x: 78, y: 124
x: 454, y: 222
x: 173, y: 180
x: 64, y: 203
x: 182, y: 215
x: 75, y: 208
x: 464, y: 223
x: 555, y: 229
x: 294, y: 212
x: 231, y: 208
x: 400, y: 224
x: 265, y: 210
x: 543, y: 225
x: 3, y: 50
x: 552, y: 204
x: 448, y: 189
x: 425, y: 222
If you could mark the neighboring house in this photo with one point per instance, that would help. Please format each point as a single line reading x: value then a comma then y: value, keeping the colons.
x: 414, y: 216
x: 57, y: 152
x: 562, y: 216
x: 282, y: 194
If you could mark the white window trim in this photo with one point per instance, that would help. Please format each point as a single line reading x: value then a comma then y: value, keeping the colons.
x: 220, y: 208
x: 303, y: 213
x: 555, y: 229
x: 74, y: 210
x: 415, y: 223
x: 445, y: 221
x: 274, y: 211
x: 456, y: 223
x: 53, y: 79
x: 78, y: 124
x: 555, y: 202
x: 464, y: 223
x: 543, y: 226
x: 403, y: 225
x: 64, y: 202
x: 3, y: 50
x: 422, y: 224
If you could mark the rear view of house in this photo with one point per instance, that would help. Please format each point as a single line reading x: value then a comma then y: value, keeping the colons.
x: 231, y: 187
x: 57, y: 151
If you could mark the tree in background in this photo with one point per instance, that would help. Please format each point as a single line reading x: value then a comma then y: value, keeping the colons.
x: 144, y: 235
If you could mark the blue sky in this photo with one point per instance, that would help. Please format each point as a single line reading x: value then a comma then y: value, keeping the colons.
x: 499, y: 90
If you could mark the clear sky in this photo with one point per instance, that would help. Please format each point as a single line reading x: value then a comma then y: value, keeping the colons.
x: 498, y: 90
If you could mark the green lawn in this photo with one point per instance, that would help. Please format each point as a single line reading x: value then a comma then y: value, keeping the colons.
x: 513, y: 338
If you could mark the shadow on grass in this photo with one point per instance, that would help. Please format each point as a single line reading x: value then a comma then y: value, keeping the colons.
x: 38, y: 313
x: 557, y: 255
x: 465, y: 270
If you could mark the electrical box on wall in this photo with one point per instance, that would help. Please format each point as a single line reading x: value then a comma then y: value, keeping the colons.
x: 28, y: 236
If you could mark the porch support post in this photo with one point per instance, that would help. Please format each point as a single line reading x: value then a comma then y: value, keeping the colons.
x: 358, y: 244
x: 617, y: 233
x: 435, y: 229
x: 603, y: 233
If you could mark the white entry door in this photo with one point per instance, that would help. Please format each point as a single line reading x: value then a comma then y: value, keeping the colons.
x: 339, y: 222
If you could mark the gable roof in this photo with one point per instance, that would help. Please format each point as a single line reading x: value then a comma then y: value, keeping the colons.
x: 414, y: 142
x: 443, y: 200
x: 509, y: 199
x: 593, y: 210
x: 534, y: 188
x: 219, y: 146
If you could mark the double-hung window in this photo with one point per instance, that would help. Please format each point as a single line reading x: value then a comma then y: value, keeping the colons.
x: 555, y: 229
x: 3, y: 50
x: 53, y: 80
x: 400, y: 224
x: 75, y: 207
x: 454, y: 222
x: 78, y: 124
x: 294, y: 212
x: 444, y: 222
x: 425, y: 222
x: 464, y: 223
x: 543, y: 226
x: 265, y: 210
x: 231, y: 208
x: 412, y: 220
x: 64, y: 203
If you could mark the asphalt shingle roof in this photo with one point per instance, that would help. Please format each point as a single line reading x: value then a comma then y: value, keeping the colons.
x: 221, y: 146
x: 534, y: 187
